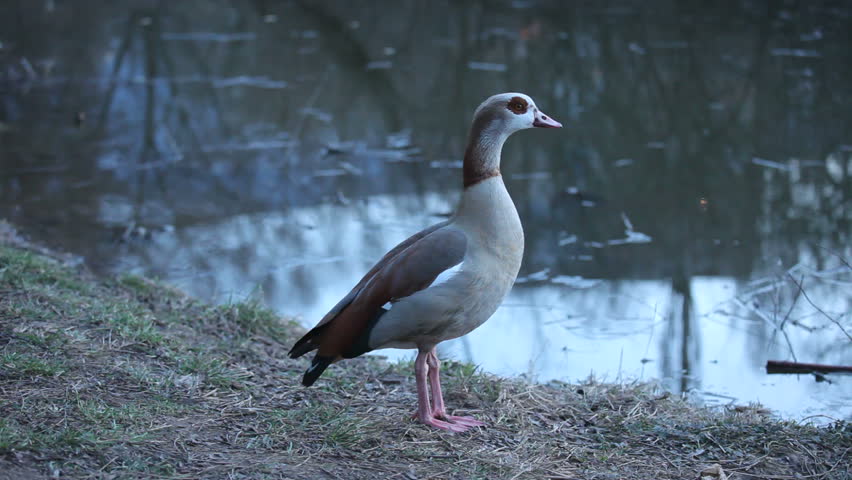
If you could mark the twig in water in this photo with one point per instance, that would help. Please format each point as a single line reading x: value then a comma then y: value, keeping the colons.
x: 792, y: 305
x: 832, y: 319
x: 839, y: 257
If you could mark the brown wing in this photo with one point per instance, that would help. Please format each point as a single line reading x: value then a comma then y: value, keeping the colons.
x: 410, y: 267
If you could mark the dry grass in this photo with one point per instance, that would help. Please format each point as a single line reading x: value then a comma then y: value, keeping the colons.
x: 124, y: 378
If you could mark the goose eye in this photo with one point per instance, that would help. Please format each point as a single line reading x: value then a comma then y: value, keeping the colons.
x: 517, y: 106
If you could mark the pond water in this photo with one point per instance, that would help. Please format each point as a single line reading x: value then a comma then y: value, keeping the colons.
x: 689, y: 223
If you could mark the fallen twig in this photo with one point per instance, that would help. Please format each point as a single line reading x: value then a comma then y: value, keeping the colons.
x: 775, y: 366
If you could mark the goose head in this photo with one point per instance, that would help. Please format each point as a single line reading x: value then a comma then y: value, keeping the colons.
x: 506, y: 113
x: 496, y: 118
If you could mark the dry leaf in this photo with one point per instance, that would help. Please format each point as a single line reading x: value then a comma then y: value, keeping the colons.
x: 713, y: 472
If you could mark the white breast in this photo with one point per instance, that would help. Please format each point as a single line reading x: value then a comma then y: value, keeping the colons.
x: 489, y: 218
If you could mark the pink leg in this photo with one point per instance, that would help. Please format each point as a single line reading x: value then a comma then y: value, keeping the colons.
x: 424, y: 410
x: 439, y: 411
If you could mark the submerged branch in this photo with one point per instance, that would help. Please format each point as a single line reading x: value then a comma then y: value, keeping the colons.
x: 775, y: 366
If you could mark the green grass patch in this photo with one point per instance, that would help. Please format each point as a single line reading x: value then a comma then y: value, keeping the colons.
x: 250, y: 317
x: 42, y: 339
x: 141, y: 286
x: 339, y: 428
x: 127, y: 417
x: 23, y: 269
x: 212, y: 369
x: 132, y: 324
x: 15, y: 436
x: 16, y: 365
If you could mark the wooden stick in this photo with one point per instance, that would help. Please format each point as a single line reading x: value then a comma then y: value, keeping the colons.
x: 775, y: 366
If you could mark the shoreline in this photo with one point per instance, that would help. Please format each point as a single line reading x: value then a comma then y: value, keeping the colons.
x: 127, y: 378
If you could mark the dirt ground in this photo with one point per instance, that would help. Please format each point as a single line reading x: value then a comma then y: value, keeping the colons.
x: 126, y: 378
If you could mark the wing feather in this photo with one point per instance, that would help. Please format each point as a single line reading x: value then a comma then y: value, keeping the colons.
x: 409, y: 267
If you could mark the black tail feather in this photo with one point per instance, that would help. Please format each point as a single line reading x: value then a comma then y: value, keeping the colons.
x: 308, y: 342
x: 301, y: 348
x: 318, y: 365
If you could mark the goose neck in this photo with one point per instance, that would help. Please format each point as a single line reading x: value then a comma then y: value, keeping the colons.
x: 482, y: 155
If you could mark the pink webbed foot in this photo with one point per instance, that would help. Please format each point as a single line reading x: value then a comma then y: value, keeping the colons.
x: 451, y: 423
x: 427, y: 365
x: 467, y: 421
x: 445, y: 425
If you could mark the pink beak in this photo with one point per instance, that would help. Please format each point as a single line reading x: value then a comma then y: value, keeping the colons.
x: 543, y: 121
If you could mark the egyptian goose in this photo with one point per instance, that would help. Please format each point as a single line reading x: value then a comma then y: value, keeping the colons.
x: 444, y: 281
